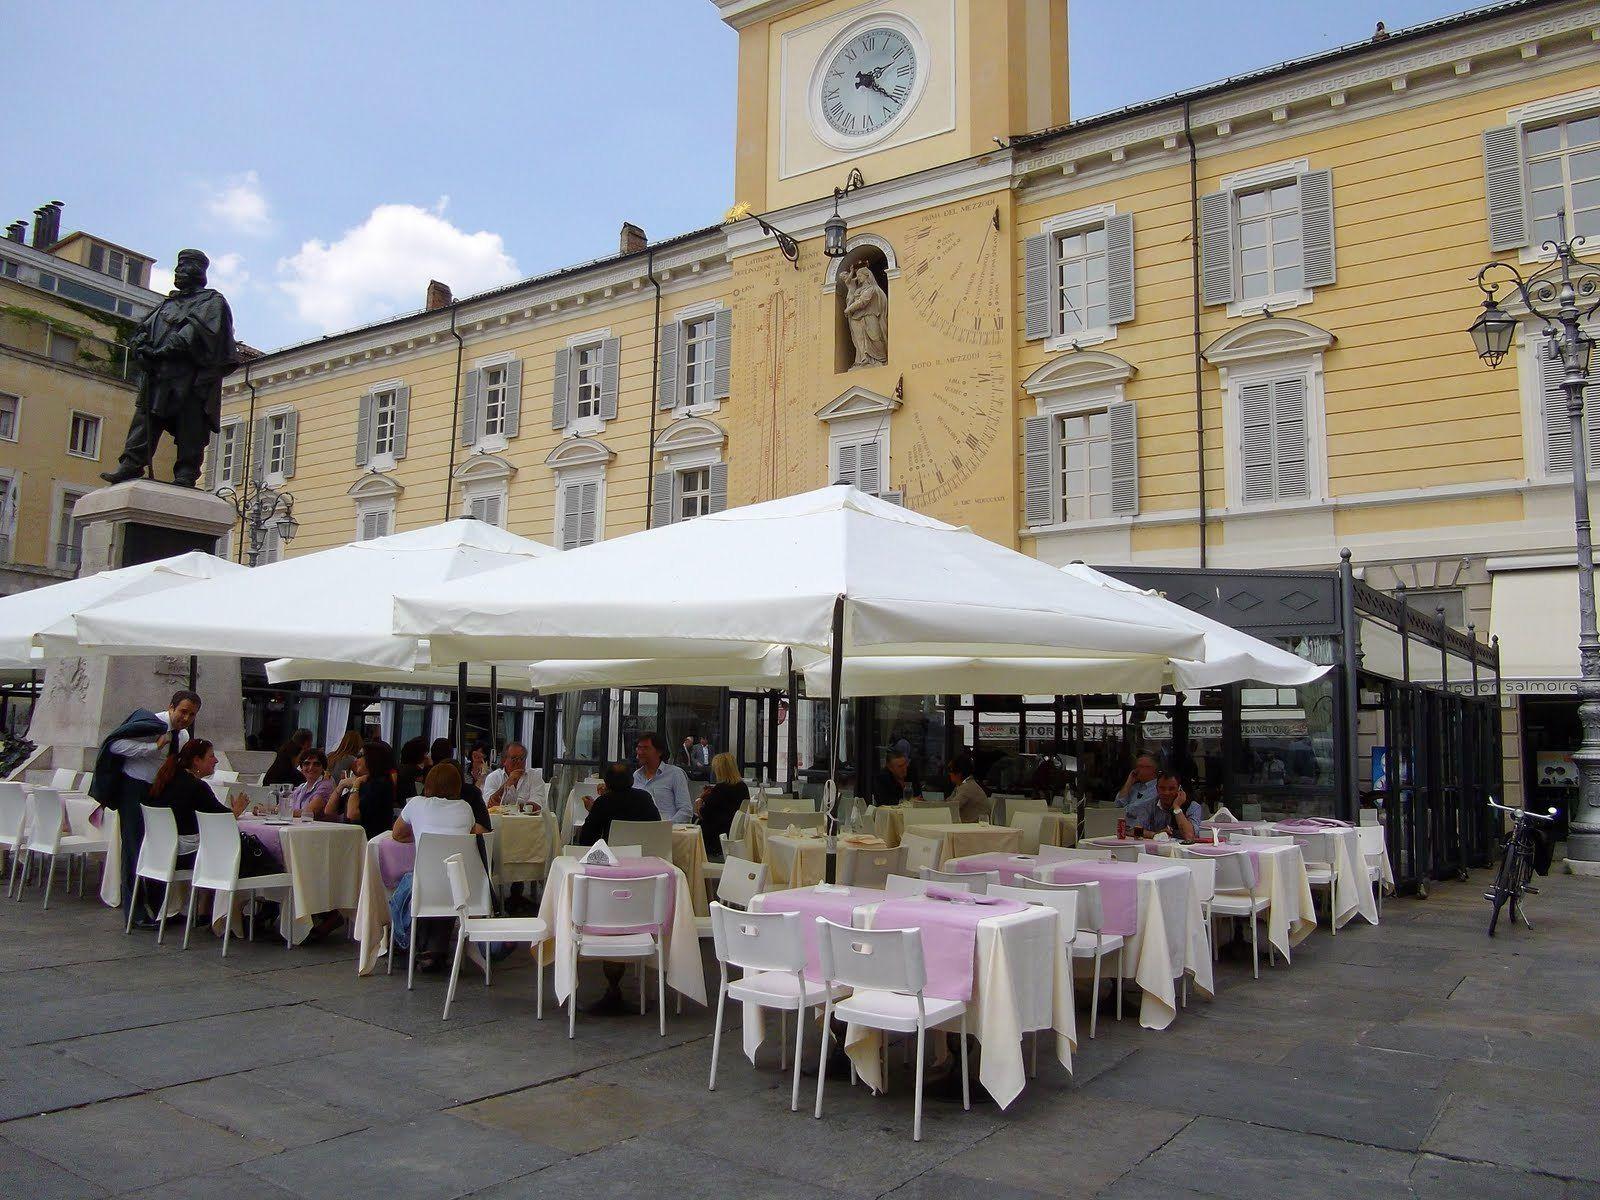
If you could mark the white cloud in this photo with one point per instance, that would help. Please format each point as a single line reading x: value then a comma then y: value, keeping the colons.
x: 227, y: 272
x: 160, y: 280
x: 383, y: 265
x: 240, y: 206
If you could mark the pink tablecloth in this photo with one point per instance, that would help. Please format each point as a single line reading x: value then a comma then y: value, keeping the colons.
x: 837, y: 904
x: 1119, y: 888
x: 948, y: 924
x: 1012, y: 867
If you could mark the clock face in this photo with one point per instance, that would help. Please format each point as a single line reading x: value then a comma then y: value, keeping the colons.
x: 868, y: 83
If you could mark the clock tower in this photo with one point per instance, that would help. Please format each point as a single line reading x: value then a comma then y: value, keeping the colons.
x: 890, y: 86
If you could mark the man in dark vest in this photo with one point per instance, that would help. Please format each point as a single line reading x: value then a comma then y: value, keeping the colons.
x: 185, y: 347
x: 127, y: 764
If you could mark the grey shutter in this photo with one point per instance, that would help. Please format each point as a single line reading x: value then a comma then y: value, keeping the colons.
x: 869, y: 466
x: 291, y: 442
x: 213, y: 457
x: 1505, y: 189
x: 1255, y: 442
x: 719, y: 487
x: 560, y: 389
x: 469, y: 408
x: 1316, y: 227
x: 402, y: 420
x: 662, y: 509
x: 588, y: 512
x: 897, y: 498
x: 513, y: 421
x: 667, y: 365
x: 1119, y: 268
x: 610, y: 373
x: 570, y: 506
x: 1036, y: 319
x: 1124, y: 439
x: 235, y: 434
x: 1037, y: 471
x: 1290, y: 438
x: 1216, y: 248
x: 722, y: 377
x: 258, y: 464
x: 849, y: 455
x: 364, y: 415
x: 1557, y: 426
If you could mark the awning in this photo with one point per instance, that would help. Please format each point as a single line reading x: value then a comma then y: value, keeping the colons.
x: 1535, y: 616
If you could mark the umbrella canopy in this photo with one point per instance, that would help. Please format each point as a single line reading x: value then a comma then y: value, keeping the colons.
x: 769, y: 575
x: 40, y: 625
x: 510, y: 677
x: 335, y: 606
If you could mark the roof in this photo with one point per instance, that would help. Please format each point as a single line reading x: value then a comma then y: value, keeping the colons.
x: 95, y: 237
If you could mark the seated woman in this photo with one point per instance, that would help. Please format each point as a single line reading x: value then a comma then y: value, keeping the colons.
x: 440, y: 809
x: 719, y: 802
x: 285, y: 767
x: 180, y: 785
x: 310, y: 799
x: 618, y: 800
x: 366, y: 796
x: 414, y: 764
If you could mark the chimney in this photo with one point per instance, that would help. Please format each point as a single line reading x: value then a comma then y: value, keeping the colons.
x: 41, y: 227
x: 633, y: 240
x: 438, y: 295
x: 17, y: 231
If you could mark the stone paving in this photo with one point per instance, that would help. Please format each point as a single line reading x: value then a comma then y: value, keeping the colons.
x: 1415, y: 1059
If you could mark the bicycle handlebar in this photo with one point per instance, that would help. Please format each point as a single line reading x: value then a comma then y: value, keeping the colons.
x: 1551, y: 816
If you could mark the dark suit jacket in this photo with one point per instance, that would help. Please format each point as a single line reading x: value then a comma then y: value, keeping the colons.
x: 634, y: 804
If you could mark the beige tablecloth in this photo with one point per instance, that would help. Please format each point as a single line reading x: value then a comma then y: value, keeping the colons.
x: 1049, y: 828
x: 1352, y: 891
x: 685, y: 972
x: 524, y: 845
x: 795, y: 861
x: 372, y: 909
x: 689, y: 856
x: 1292, y: 917
x: 325, y: 860
x: 935, y: 845
x: 889, y: 821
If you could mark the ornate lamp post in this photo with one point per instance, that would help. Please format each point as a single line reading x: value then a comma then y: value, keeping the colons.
x: 260, y: 508
x: 1564, y: 295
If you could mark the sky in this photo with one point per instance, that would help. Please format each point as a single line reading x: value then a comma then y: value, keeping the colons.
x: 331, y: 158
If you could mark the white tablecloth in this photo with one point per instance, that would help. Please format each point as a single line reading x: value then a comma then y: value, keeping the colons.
x: 935, y: 845
x: 573, y: 813
x: 1353, y: 891
x: 324, y: 859
x: 372, y: 909
x: 685, y: 972
x: 1022, y: 981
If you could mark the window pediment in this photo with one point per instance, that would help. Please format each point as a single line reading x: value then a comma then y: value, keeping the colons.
x: 1078, y: 369
x: 691, y: 433
x: 857, y: 402
x: 373, y: 486
x: 1268, y: 337
x: 484, y: 468
x: 579, y: 452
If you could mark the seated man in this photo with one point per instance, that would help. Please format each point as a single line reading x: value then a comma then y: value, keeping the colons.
x: 1171, y: 811
x: 618, y: 800
x: 511, y: 783
x: 893, y: 783
x: 1140, y: 785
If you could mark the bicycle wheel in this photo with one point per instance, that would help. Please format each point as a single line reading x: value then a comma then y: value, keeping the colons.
x: 1504, y: 885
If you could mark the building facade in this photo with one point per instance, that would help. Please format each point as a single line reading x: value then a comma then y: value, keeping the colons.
x: 1224, y: 328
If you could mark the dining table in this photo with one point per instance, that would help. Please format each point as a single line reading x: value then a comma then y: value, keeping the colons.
x: 1280, y: 874
x: 324, y: 862
x: 934, y: 845
x: 1352, y: 889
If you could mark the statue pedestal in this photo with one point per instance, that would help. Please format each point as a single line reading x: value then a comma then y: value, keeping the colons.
x: 83, y: 699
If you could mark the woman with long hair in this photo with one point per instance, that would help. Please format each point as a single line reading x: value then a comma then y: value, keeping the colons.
x: 719, y: 802
x: 343, y: 756
x: 366, y: 795
x: 285, y: 767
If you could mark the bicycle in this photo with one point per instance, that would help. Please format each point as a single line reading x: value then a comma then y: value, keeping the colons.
x: 1512, y: 878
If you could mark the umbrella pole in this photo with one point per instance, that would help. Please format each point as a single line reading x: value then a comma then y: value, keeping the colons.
x: 461, y: 711
x: 793, y: 748
x: 494, y: 711
x: 835, y: 732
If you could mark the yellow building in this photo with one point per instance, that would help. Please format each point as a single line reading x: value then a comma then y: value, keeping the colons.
x: 67, y: 305
x: 1223, y: 328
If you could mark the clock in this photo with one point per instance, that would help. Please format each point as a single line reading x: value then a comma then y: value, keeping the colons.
x: 950, y: 271
x: 867, y: 82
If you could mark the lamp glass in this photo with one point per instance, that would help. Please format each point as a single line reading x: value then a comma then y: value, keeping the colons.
x: 288, y: 527
x: 833, y: 236
x: 1493, y: 333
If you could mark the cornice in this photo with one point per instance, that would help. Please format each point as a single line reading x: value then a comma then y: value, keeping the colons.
x: 739, y: 13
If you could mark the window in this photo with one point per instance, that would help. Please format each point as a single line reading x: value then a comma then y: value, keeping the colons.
x: 63, y: 348
x: 488, y: 508
x: 580, y: 513
x: 8, y: 515
x: 84, y: 439
x: 494, y: 402
x: 1085, y: 466
x: 10, y: 416
x: 1549, y: 372
x: 69, y: 533
x: 385, y: 410
x: 1274, y: 440
x: 1563, y: 172
x: 1081, y: 280
x: 859, y: 462
x: 226, y: 465
x: 586, y: 365
x: 699, y: 359
x: 277, y: 448
x: 1269, y: 241
x: 374, y: 522
x: 694, y: 492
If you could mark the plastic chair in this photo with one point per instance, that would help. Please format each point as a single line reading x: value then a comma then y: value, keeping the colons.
x: 1322, y: 869
x: 781, y: 819
x: 769, y: 950
x: 886, y: 975
x: 479, y: 929
x: 1049, y: 854
x: 1091, y: 940
x: 654, y: 838
x: 13, y: 817
x: 1204, y: 869
x: 62, y: 779
x: 1021, y: 804
x: 1100, y: 821
x: 1235, y: 896
x: 787, y: 804
x: 928, y: 814
x: 158, y: 861
x: 216, y: 868
x: 733, y: 847
x: 430, y: 887
x: 869, y: 868
x: 1374, y: 850
x: 1066, y: 905
x: 904, y: 885
x: 45, y: 840
x: 221, y: 776
x: 976, y: 882
x: 742, y: 881
x: 620, y: 919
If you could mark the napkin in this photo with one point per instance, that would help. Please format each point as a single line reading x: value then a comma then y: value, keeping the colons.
x: 866, y: 840
x: 831, y: 889
x: 955, y: 897
x: 599, y: 855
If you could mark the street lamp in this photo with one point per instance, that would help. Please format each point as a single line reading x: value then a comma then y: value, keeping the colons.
x: 1564, y: 295
x: 259, y: 508
x: 834, y: 230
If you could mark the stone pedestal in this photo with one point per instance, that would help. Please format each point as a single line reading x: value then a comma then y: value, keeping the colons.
x: 83, y: 699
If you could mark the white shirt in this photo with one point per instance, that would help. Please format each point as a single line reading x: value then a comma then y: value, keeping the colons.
x: 142, y: 758
x: 437, y: 814
x: 529, y: 790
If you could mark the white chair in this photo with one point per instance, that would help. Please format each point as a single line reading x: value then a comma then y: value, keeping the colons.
x: 13, y: 817
x: 1091, y: 940
x: 216, y: 869
x: 1373, y: 852
x: 1321, y: 853
x: 780, y: 819
x: 928, y: 814
x: 769, y: 950
x: 654, y: 838
x: 617, y: 919
x: 1100, y: 821
x: 1031, y: 824
x: 480, y: 930
x: 221, y: 776
x: 733, y: 847
x: 1261, y: 839
x: 1204, y: 869
x: 860, y: 867
x: 1019, y: 804
x: 158, y: 861
x: 904, y: 885
x: 1049, y: 854
x: 790, y: 804
x: 741, y: 883
x: 430, y: 886
x: 976, y: 882
x: 1235, y: 896
x: 1369, y: 816
x: 885, y: 972
x: 1066, y: 905
x: 62, y: 779
x: 45, y: 840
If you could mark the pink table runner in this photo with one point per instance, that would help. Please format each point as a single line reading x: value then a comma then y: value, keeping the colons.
x: 647, y: 867
x: 952, y: 918
x: 1012, y: 867
x: 270, y: 836
x: 1119, y: 888
x: 394, y: 860
x: 837, y: 906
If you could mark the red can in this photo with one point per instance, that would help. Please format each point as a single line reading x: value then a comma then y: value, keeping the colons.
x: 1122, y: 827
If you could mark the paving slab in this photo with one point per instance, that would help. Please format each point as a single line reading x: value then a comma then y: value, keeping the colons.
x: 40, y: 1079
x: 257, y: 1110
x: 25, y: 1174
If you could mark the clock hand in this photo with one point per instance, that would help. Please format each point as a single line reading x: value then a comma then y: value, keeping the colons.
x: 864, y: 79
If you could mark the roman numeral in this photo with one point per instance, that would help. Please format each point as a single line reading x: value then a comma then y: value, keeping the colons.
x: 901, y: 92
x: 897, y: 53
x: 831, y: 95
x: 850, y: 53
x: 903, y: 69
x: 835, y: 110
x: 870, y: 42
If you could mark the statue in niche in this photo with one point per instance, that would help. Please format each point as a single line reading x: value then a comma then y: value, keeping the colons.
x: 866, y: 307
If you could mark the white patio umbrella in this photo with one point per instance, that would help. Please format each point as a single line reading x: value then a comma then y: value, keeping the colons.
x: 39, y: 626
x: 334, y: 606
x: 508, y: 677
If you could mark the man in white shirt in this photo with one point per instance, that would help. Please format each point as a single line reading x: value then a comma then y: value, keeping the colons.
x: 511, y: 782
x: 667, y: 784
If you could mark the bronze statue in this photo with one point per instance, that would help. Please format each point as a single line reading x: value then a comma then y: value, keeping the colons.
x: 185, y: 347
x: 866, y: 307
